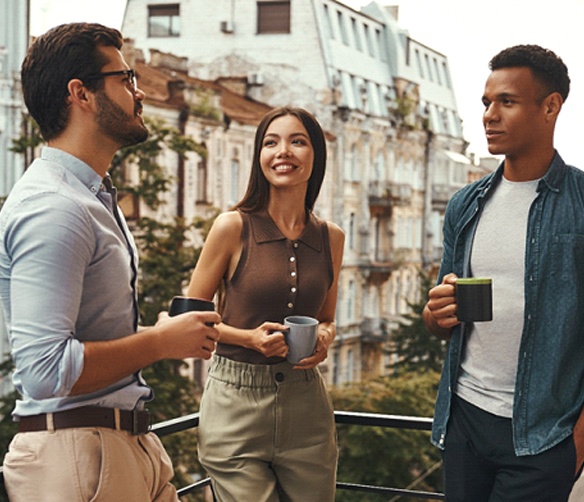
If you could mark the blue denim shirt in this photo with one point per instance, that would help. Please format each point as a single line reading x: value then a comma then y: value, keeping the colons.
x: 549, y: 388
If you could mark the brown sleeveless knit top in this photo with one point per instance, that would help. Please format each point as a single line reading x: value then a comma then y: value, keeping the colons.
x: 275, y: 277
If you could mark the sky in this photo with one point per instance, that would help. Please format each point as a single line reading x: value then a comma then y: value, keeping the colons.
x: 469, y: 33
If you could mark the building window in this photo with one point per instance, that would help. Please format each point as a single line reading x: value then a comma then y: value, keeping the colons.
x: 446, y: 75
x: 352, y: 231
x: 350, y: 366
x: 354, y: 164
x: 328, y: 23
x: 356, y: 34
x: 202, y: 180
x: 342, y: 28
x: 437, y: 71
x: 164, y: 20
x: 369, y: 41
x: 274, y: 17
x: 428, y: 67
x: 380, y: 45
x: 419, y: 62
x: 351, y: 301
x: 234, y: 183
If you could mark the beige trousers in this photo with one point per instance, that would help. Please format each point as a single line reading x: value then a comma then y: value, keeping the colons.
x: 88, y: 464
x: 267, y: 433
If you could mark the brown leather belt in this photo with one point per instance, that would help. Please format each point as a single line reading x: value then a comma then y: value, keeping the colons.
x: 136, y: 422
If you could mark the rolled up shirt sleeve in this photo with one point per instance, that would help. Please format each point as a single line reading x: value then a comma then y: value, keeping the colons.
x: 49, y: 252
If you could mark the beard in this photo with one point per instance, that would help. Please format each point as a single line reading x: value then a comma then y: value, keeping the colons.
x: 117, y: 124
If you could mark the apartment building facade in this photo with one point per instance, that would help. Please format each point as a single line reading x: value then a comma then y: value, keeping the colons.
x: 386, y: 100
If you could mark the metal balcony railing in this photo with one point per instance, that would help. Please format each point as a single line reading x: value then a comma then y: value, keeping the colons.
x: 341, y: 417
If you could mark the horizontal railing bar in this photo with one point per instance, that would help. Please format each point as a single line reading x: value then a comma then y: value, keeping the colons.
x: 177, y: 424
x: 195, y: 486
x: 341, y: 417
x: 191, y: 421
x: 389, y: 491
x: 341, y: 486
x: 380, y: 420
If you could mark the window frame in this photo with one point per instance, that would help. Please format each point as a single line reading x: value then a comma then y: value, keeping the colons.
x: 263, y: 22
x: 167, y: 11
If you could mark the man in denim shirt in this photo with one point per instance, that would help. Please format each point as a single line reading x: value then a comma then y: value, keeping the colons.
x: 68, y: 269
x: 512, y: 389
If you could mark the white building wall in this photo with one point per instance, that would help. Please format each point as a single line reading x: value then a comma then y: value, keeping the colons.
x: 280, y: 58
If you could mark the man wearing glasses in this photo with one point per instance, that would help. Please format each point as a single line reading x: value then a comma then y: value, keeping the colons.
x: 68, y: 269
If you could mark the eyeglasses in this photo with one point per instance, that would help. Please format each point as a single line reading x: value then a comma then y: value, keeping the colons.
x: 130, y: 77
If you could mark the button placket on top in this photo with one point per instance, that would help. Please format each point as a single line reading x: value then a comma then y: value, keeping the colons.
x: 293, y: 274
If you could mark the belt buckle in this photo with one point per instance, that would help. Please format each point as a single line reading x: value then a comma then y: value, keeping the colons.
x: 136, y: 422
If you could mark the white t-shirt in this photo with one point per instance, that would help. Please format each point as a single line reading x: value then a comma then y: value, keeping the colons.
x: 489, y: 364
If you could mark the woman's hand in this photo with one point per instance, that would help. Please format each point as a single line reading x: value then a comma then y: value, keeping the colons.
x: 268, y: 339
x: 325, y: 338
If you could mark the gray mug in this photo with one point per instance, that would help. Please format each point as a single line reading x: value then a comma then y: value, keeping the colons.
x: 301, y: 337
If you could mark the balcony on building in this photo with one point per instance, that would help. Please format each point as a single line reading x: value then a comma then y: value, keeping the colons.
x: 385, y: 194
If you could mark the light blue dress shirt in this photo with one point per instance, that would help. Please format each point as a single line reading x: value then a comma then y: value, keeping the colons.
x: 67, y: 275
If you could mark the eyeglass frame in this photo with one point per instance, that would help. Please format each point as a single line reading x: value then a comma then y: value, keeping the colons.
x: 130, y: 73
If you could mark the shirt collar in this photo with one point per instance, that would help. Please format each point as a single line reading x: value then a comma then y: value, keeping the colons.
x: 555, y: 174
x: 265, y: 230
x: 78, y: 168
x: 552, y: 178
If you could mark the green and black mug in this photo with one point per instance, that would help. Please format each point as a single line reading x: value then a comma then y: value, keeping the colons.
x: 474, y: 299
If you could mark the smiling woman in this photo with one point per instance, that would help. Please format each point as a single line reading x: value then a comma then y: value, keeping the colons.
x: 275, y: 258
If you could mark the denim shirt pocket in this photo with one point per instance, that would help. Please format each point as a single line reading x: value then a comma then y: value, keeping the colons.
x: 567, y: 263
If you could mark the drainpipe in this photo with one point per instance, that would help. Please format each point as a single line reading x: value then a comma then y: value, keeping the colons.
x: 180, y: 195
x: 427, y: 251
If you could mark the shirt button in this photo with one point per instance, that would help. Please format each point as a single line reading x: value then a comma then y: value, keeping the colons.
x: 295, y: 244
x: 290, y: 305
x: 279, y: 377
x: 293, y: 289
x: 292, y: 259
x: 293, y: 274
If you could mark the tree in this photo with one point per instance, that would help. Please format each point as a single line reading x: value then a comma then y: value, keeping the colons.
x: 167, y: 259
x: 396, y: 458
x: 414, y: 348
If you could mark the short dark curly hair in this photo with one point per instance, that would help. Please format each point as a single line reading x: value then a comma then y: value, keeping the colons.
x: 546, y: 66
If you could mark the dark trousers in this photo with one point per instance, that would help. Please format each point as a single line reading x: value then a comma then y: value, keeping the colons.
x: 480, y: 463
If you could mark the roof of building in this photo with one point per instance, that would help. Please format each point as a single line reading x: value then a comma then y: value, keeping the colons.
x: 158, y: 84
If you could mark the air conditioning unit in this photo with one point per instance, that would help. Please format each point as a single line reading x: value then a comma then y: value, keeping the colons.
x: 255, y: 78
x: 226, y: 26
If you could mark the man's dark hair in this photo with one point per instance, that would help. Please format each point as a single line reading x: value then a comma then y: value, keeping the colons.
x: 546, y: 66
x: 61, y: 54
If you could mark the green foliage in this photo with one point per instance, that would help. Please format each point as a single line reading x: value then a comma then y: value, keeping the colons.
x: 165, y: 264
x: 204, y: 107
x: 7, y: 426
x: 30, y: 139
x: 414, y: 348
x: 385, y: 456
x: 153, y: 178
